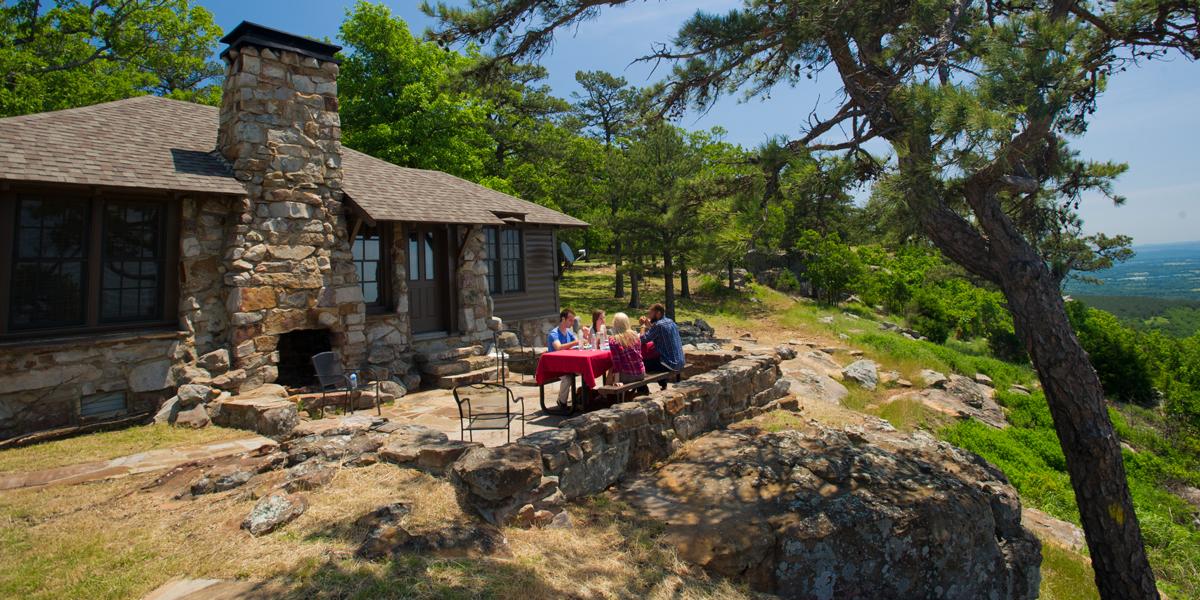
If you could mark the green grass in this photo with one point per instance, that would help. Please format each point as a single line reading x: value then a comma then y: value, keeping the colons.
x: 1066, y: 575
x: 109, y: 444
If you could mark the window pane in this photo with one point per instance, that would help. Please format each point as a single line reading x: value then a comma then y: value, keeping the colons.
x: 414, y: 258
x: 368, y: 263
x: 131, y: 285
x: 511, y: 260
x: 47, y: 294
x: 48, y: 284
x: 429, y: 255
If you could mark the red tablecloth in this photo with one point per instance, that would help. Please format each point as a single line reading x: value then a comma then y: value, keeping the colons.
x: 590, y: 365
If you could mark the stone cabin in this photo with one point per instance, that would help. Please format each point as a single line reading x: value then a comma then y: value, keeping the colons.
x: 148, y: 243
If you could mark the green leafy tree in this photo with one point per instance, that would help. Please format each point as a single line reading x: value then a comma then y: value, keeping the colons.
x: 978, y: 102
x: 829, y: 264
x: 608, y: 107
x: 400, y: 101
x: 71, y: 53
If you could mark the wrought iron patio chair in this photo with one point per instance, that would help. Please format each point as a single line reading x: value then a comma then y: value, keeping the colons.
x: 511, y: 350
x: 487, y: 406
x: 333, y: 378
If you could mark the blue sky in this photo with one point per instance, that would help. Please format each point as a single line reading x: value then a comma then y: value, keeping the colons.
x: 1148, y: 118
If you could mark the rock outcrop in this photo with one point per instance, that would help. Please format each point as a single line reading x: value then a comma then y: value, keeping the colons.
x: 863, y: 372
x: 958, y: 397
x: 825, y: 513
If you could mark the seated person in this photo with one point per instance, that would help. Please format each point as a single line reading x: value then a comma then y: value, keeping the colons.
x: 595, y: 336
x: 626, y: 350
x: 660, y: 329
x: 562, y: 338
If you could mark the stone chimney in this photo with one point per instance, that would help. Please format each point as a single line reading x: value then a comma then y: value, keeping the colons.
x: 288, y: 264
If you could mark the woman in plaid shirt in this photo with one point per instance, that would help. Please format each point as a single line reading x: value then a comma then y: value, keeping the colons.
x: 626, y: 349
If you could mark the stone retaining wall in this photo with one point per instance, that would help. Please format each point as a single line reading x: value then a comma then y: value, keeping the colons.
x: 588, y: 453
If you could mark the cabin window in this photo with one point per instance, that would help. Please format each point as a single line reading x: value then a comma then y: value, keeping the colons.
x: 84, y: 263
x: 372, y: 260
x: 505, y: 259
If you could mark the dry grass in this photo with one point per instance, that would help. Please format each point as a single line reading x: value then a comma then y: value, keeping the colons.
x: 112, y: 540
x: 109, y: 444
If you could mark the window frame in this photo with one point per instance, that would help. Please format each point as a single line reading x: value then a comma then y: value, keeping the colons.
x: 494, y: 254
x: 96, y: 199
x: 385, y: 301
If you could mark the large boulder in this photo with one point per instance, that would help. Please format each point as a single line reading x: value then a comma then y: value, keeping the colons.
x: 810, y: 385
x: 271, y: 416
x: 387, y: 534
x: 499, y: 473
x: 863, y: 372
x: 842, y: 513
x: 816, y: 360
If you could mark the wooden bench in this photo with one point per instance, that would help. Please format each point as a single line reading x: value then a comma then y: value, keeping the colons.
x: 620, y: 390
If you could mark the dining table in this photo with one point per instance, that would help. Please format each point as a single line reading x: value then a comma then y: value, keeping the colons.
x: 588, y: 365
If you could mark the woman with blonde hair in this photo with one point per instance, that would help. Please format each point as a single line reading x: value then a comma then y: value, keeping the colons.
x: 626, y: 348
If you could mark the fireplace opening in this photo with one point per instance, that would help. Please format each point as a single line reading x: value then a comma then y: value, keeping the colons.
x: 296, y: 349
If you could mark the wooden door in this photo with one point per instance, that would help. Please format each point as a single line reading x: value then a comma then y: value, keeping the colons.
x: 427, y: 278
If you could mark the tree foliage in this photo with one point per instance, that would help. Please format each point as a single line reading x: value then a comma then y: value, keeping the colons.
x: 72, y: 53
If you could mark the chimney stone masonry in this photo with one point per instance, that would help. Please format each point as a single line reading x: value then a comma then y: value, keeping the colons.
x: 289, y: 265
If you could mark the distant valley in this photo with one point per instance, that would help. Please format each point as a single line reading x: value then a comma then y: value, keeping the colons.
x: 1156, y: 271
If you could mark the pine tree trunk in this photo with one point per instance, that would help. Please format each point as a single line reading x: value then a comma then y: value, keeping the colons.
x: 684, y: 290
x: 729, y: 270
x: 619, y: 287
x: 669, y: 283
x: 635, y: 292
x: 1086, y: 434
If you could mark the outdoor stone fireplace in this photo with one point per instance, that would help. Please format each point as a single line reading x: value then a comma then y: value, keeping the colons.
x: 288, y: 263
x: 296, y: 349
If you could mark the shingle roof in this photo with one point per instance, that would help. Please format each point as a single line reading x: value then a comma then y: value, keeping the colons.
x: 144, y: 142
x: 157, y: 143
x: 391, y: 193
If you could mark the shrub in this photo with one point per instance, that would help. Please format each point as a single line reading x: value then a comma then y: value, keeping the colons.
x: 830, y: 265
x: 1120, y: 363
x: 787, y: 282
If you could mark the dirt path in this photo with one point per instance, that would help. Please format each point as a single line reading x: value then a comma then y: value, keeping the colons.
x: 141, y: 462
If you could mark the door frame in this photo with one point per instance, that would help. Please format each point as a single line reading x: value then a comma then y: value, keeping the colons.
x: 446, y: 267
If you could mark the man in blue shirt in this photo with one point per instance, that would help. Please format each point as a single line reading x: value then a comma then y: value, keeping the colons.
x: 657, y: 327
x: 562, y: 338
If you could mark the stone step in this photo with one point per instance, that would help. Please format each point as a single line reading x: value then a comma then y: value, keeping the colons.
x: 450, y: 354
x: 457, y: 366
x: 447, y: 382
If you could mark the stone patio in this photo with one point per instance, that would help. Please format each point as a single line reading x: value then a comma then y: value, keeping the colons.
x: 436, y: 408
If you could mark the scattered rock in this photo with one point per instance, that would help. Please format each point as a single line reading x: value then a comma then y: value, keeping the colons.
x: 824, y: 513
x: 785, y: 352
x: 195, y: 417
x: 982, y: 379
x: 498, y: 473
x: 269, y: 416
x: 932, y: 378
x: 1018, y: 389
x: 387, y: 535
x: 959, y: 397
x: 862, y: 372
x: 191, y: 394
x: 273, y: 512
x: 808, y: 384
x: 229, y: 472
x: 889, y: 377
x: 904, y: 383
x: 166, y: 413
x: 816, y: 360
x: 308, y: 476
x: 1055, y: 531
x: 855, y: 353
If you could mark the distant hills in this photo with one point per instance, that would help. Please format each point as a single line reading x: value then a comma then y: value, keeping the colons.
x: 1156, y: 271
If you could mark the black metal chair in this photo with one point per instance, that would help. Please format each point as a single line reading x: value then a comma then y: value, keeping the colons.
x: 525, y: 355
x: 332, y: 377
x: 487, y: 406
